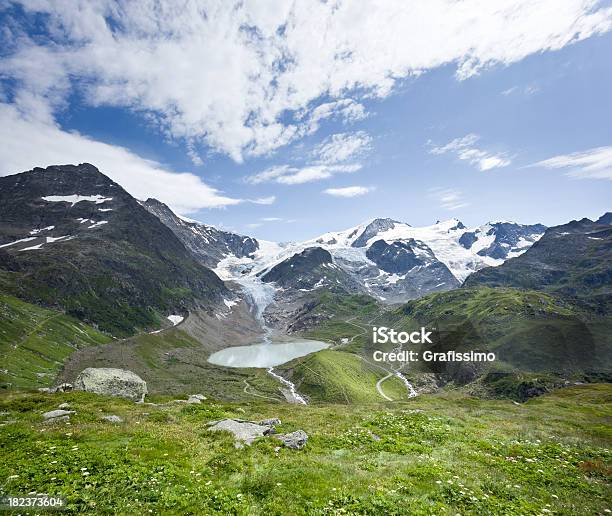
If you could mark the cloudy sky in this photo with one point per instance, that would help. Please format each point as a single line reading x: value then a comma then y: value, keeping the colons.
x: 286, y: 119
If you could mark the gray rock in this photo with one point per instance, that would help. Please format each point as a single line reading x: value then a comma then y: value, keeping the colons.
x: 194, y: 401
x: 64, y: 406
x: 245, y: 432
x: 58, y: 413
x: 295, y: 440
x: 53, y: 420
x: 112, y: 382
x: 200, y: 397
x: 112, y: 419
x: 62, y: 387
x: 270, y: 422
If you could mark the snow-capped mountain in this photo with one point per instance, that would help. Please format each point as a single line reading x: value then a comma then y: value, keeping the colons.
x: 390, y: 260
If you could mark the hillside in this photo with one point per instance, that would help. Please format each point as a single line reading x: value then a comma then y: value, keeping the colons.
x: 35, y: 342
x: 72, y: 239
x: 445, y: 454
x: 571, y: 260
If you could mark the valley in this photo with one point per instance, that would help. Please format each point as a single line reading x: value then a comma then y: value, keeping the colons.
x: 227, y: 329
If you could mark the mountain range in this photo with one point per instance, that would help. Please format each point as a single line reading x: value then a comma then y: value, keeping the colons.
x: 75, y: 242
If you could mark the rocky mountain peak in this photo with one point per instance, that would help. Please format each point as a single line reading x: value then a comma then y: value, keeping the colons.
x: 374, y: 228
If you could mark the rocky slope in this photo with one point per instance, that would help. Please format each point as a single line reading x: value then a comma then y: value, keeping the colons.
x: 72, y: 238
x: 572, y: 260
x: 207, y: 243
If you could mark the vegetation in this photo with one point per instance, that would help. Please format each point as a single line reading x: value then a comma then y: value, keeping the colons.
x: 34, y: 342
x: 441, y: 454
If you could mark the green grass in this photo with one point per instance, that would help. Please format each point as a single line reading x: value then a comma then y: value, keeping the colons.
x: 35, y: 342
x: 442, y: 454
x: 173, y: 362
x: 340, y: 377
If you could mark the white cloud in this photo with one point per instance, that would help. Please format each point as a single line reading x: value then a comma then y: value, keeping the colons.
x: 264, y: 200
x: 337, y: 154
x: 348, y: 191
x: 342, y: 147
x: 531, y: 89
x: 288, y: 175
x: 464, y: 148
x: 230, y: 75
x: 28, y: 143
x: 590, y: 164
x: 448, y: 198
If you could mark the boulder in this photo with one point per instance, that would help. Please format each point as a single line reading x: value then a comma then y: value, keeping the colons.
x: 57, y: 416
x: 53, y: 420
x: 62, y: 387
x: 112, y: 419
x: 58, y: 413
x: 196, y: 398
x: 112, y: 382
x: 295, y: 440
x: 245, y: 432
x: 64, y: 406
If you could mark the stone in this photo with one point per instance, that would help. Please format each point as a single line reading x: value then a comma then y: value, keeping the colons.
x: 60, y: 419
x: 64, y: 406
x: 245, y: 432
x: 270, y: 422
x: 294, y: 440
x: 112, y: 382
x: 58, y: 413
x: 62, y: 387
x: 112, y: 419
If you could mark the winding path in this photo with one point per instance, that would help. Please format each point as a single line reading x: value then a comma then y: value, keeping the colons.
x: 396, y: 372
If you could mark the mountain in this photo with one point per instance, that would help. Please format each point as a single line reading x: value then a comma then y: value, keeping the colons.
x: 208, y: 244
x: 501, y: 240
x: 71, y: 238
x: 572, y: 260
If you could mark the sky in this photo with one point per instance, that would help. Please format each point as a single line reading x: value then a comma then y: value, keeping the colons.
x: 287, y: 119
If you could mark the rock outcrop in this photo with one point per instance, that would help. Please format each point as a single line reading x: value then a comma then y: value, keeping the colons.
x: 112, y: 382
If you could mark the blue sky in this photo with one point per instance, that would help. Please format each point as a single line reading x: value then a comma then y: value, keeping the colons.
x: 310, y: 136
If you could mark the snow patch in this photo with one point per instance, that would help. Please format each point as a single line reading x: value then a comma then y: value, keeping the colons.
x: 175, y: 319
x: 75, y: 198
x: 17, y: 241
x: 230, y: 303
x: 36, y: 231
x: 98, y: 224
